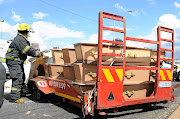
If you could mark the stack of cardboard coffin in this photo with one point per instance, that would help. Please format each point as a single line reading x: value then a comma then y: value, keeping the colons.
x: 79, y: 67
x: 65, y: 67
x: 62, y: 64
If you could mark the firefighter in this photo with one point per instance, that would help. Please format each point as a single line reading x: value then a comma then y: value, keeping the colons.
x: 17, y: 53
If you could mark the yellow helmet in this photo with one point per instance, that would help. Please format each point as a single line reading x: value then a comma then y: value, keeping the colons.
x: 25, y: 27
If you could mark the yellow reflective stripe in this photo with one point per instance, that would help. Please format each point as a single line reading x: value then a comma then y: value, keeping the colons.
x: 37, y: 53
x: 169, y: 74
x: 18, y: 59
x: 68, y: 97
x: 15, y: 51
x: 9, y: 57
x: 162, y: 75
x: 26, y: 49
x: 4, y: 60
x: 108, y: 75
x: 119, y: 72
x: 15, y: 89
x: 9, y: 49
x: 178, y: 67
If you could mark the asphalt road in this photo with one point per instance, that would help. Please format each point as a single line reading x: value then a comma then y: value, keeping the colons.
x: 56, y: 109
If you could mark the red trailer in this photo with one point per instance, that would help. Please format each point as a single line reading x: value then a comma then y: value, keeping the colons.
x: 107, y: 93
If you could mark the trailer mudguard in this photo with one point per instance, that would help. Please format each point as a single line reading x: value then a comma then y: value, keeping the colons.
x: 42, y: 84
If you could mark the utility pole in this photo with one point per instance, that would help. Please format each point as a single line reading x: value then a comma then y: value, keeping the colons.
x: 1, y: 27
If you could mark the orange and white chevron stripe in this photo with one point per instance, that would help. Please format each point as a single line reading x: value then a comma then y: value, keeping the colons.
x: 165, y: 75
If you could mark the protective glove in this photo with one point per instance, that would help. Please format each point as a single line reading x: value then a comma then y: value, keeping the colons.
x: 41, y: 54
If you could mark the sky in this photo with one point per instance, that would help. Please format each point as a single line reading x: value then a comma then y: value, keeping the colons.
x: 62, y: 23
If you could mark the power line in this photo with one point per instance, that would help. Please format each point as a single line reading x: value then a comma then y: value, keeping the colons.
x: 67, y: 11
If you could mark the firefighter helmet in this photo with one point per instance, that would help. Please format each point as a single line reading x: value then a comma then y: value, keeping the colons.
x: 25, y: 27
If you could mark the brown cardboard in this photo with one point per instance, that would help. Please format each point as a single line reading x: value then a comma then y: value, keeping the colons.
x: 141, y: 90
x: 79, y: 87
x: 69, y: 72
x: 57, y: 56
x: 36, y: 63
x: 33, y: 71
x: 46, y: 69
x: 154, y: 55
x: 85, y: 72
x: 69, y: 56
x: 140, y: 75
x: 56, y: 71
x: 84, y: 88
x: 89, y: 52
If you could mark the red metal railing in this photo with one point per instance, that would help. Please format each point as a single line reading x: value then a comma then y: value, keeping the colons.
x: 101, y: 40
x: 113, y: 74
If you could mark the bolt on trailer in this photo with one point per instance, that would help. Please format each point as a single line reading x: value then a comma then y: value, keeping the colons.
x: 117, y: 85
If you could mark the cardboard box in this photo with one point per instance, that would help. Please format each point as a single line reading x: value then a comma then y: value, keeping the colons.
x: 141, y: 90
x: 57, y: 56
x: 69, y: 72
x: 84, y: 88
x: 56, y: 71
x: 46, y: 69
x: 69, y: 56
x: 37, y: 66
x: 138, y: 75
x: 85, y: 72
x: 89, y: 52
x: 153, y: 55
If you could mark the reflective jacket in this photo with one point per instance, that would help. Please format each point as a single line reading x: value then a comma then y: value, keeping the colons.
x: 20, y: 48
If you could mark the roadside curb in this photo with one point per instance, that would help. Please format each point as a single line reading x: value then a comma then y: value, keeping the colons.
x: 175, y: 114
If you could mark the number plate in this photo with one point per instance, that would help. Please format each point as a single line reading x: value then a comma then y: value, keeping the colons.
x: 164, y: 84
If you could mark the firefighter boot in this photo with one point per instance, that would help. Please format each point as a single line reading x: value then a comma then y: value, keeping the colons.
x: 17, y: 101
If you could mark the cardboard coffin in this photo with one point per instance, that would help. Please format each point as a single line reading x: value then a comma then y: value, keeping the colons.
x: 56, y: 71
x: 37, y: 66
x: 83, y: 88
x: 89, y: 52
x: 138, y: 75
x: 46, y: 69
x: 138, y: 90
x: 69, y: 73
x: 85, y: 72
x: 69, y: 56
x: 57, y: 56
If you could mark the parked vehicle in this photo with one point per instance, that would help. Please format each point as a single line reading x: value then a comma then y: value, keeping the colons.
x: 2, y: 80
x: 176, y: 71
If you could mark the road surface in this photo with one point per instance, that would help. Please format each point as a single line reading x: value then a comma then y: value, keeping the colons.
x: 56, y: 109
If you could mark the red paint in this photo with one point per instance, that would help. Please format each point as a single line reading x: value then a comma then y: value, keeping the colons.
x: 43, y: 86
x: 105, y: 87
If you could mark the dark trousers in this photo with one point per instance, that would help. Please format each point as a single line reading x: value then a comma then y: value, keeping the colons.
x: 17, y: 75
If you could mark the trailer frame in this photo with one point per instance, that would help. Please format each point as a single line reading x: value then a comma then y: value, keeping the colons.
x: 107, y: 92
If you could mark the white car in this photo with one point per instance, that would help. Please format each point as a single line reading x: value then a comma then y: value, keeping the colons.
x: 2, y: 80
x: 176, y: 72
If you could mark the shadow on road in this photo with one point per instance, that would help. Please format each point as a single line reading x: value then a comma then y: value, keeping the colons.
x: 128, y: 110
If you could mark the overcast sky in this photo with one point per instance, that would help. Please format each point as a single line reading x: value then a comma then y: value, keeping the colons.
x: 65, y: 22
